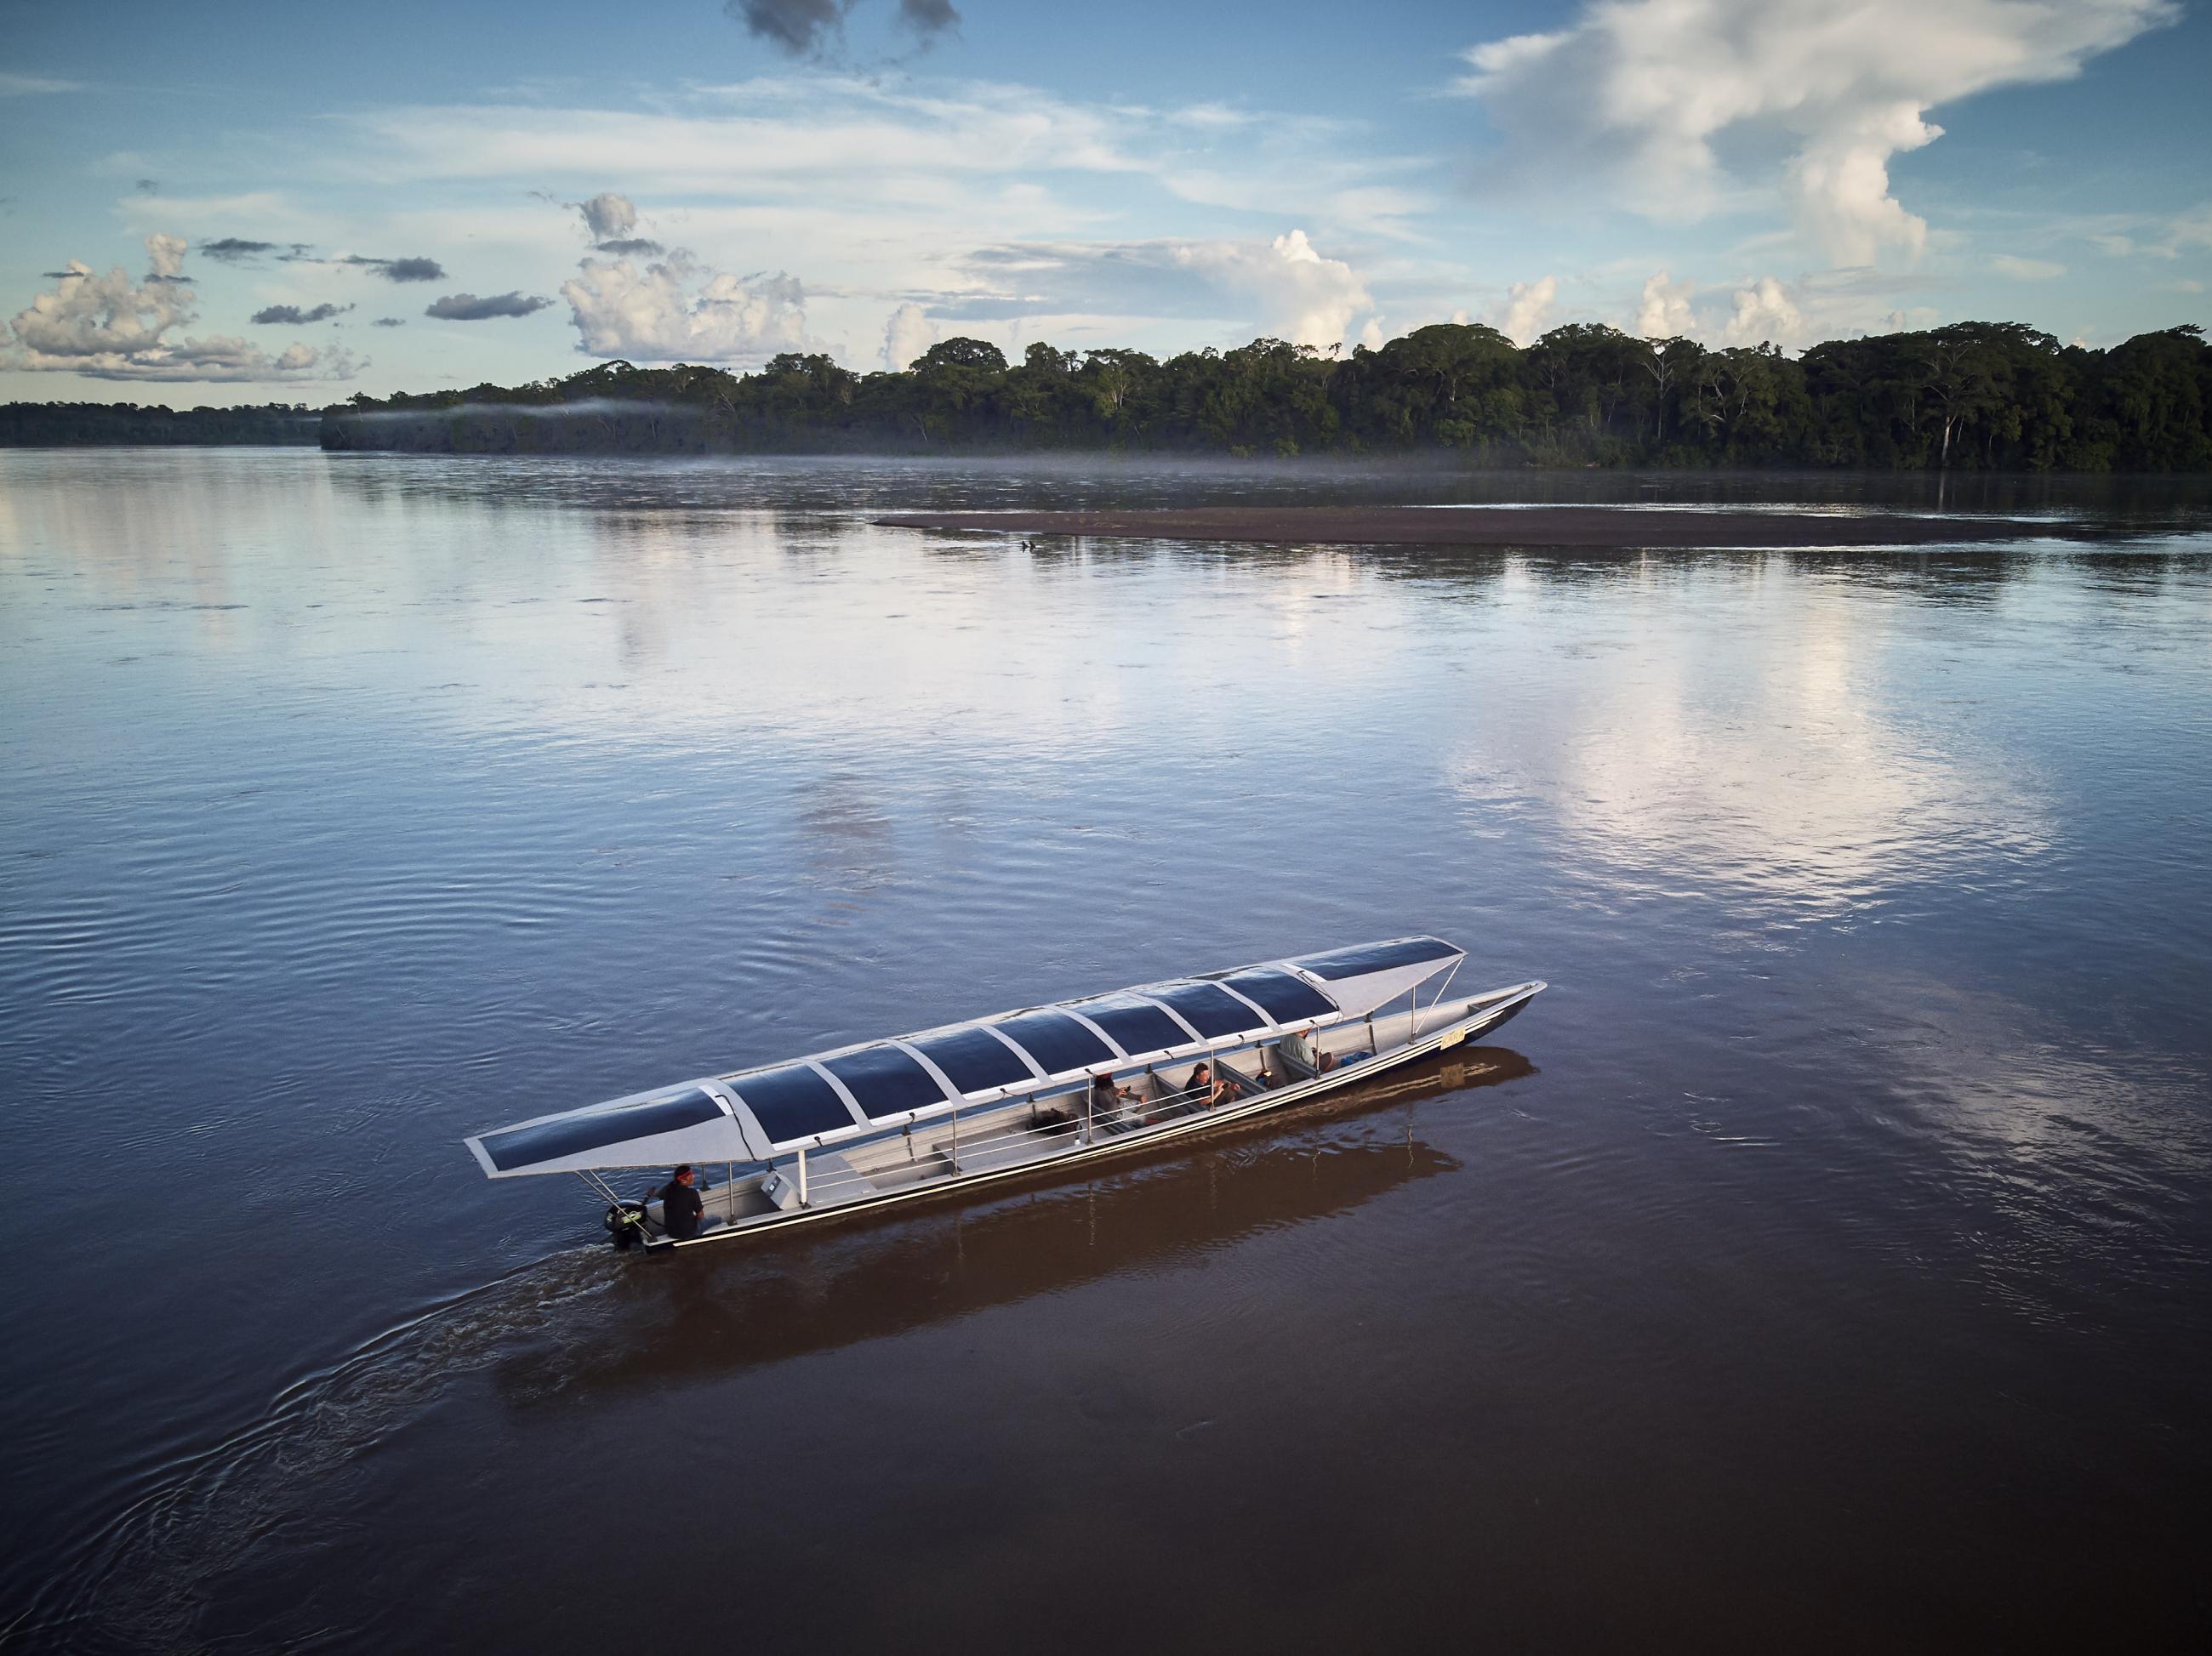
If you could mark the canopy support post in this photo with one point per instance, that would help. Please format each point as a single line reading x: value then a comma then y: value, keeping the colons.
x: 802, y: 1176
x: 1434, y: 1000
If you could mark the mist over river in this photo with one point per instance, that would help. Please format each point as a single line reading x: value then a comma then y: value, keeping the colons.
x: 1825, y: 1263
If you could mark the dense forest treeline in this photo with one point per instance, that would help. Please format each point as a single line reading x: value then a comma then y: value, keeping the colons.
x: 1973, y: 396
x: 71, y: 425
x: 1981, y: 396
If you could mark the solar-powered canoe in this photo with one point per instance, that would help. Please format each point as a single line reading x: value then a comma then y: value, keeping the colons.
x: 1015, y: 1093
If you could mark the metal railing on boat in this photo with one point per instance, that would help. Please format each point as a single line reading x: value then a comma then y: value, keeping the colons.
x: 1090, y: 1122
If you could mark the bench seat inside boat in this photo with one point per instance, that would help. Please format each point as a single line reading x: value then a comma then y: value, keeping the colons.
x: 1010, y: 1150
x: 831, y: 1179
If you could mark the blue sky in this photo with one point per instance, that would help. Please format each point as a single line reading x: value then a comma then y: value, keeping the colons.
x: 237, y: 202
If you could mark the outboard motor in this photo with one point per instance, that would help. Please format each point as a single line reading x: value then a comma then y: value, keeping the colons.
x: 625, y: 1223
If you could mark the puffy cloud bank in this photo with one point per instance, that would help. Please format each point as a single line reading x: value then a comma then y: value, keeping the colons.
x: 907, y: 334
x: 1641, y: 89
x: 109, y: 327
x: 1765, y: 315
x: 1285, y: 287
x: 1663, y: 312
x: 1767, y: 311
x: 1528, y: 308
x: 675, y: 310
x: 1306, y: 298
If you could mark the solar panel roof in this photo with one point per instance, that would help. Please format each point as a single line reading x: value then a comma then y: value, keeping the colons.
x: 976, y: 1059
x: 1285, y: 997
x: 1055, y: 1041
x: 1138, y: 1026
x: 793, y: 1103
x: 1210, y: 1009
x: 550, y: 1141
x: 1375, y: 957
x: 886, y: 1081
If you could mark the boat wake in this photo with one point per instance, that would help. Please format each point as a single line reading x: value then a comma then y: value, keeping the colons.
x: 140, y: 1582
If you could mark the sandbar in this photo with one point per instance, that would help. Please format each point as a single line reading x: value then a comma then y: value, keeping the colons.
x: 1591, y: 526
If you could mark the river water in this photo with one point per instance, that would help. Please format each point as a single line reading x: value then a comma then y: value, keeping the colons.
x: 1826, y: 1263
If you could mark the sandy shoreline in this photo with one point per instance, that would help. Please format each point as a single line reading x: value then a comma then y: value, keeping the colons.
x: 1476, y: 526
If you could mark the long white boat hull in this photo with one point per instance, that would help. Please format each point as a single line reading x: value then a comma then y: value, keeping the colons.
x: 750, y: 1206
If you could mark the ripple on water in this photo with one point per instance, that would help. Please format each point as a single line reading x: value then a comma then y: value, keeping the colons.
x: 1859, y: 1147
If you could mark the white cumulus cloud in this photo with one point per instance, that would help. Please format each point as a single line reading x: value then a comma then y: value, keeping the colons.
x: 110, y: 327
x: 1764, y: 314
x: 1528, y: 309
x: 907, y: 334
x: 165, y: 256
x: 675, y: 310
x: 1300, y: 295
x: 1663, y: 312
x: 1641, y: 89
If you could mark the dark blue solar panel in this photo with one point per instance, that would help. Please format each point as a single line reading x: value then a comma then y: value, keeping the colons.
x: 975, y: 1059
x: 1285, y: 997
x: 1375, y: 957
x: 886, y: 1081
x: 550, y: 1141
x: 1139, y: 1027
x: 1056, y: 1042
x: 1209, y: 1010
x: 794, y: 1102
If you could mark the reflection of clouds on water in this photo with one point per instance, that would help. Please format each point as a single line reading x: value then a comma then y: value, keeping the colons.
x: 153, y: 529
x: 847, y: 840
x: 1987, y: 1066
x: 798, y: 626
x: 1760, y: 757
x: 2054, y: 1156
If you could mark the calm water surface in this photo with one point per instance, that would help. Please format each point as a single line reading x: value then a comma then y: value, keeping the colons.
x: 1825, y: 1264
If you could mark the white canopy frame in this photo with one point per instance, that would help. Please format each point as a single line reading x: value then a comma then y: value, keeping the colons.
x: 739, y: 1135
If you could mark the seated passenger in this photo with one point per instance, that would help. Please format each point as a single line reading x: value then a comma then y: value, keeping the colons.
x: 1109, y: 1103
x: 1212, y: 1091
x: 680, y: 1206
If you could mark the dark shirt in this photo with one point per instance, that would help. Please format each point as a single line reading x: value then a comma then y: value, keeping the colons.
x: 680, y: 1208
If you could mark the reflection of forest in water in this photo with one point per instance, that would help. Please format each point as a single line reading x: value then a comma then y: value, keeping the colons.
x: 804, y: 490
x: 716, y: 1311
